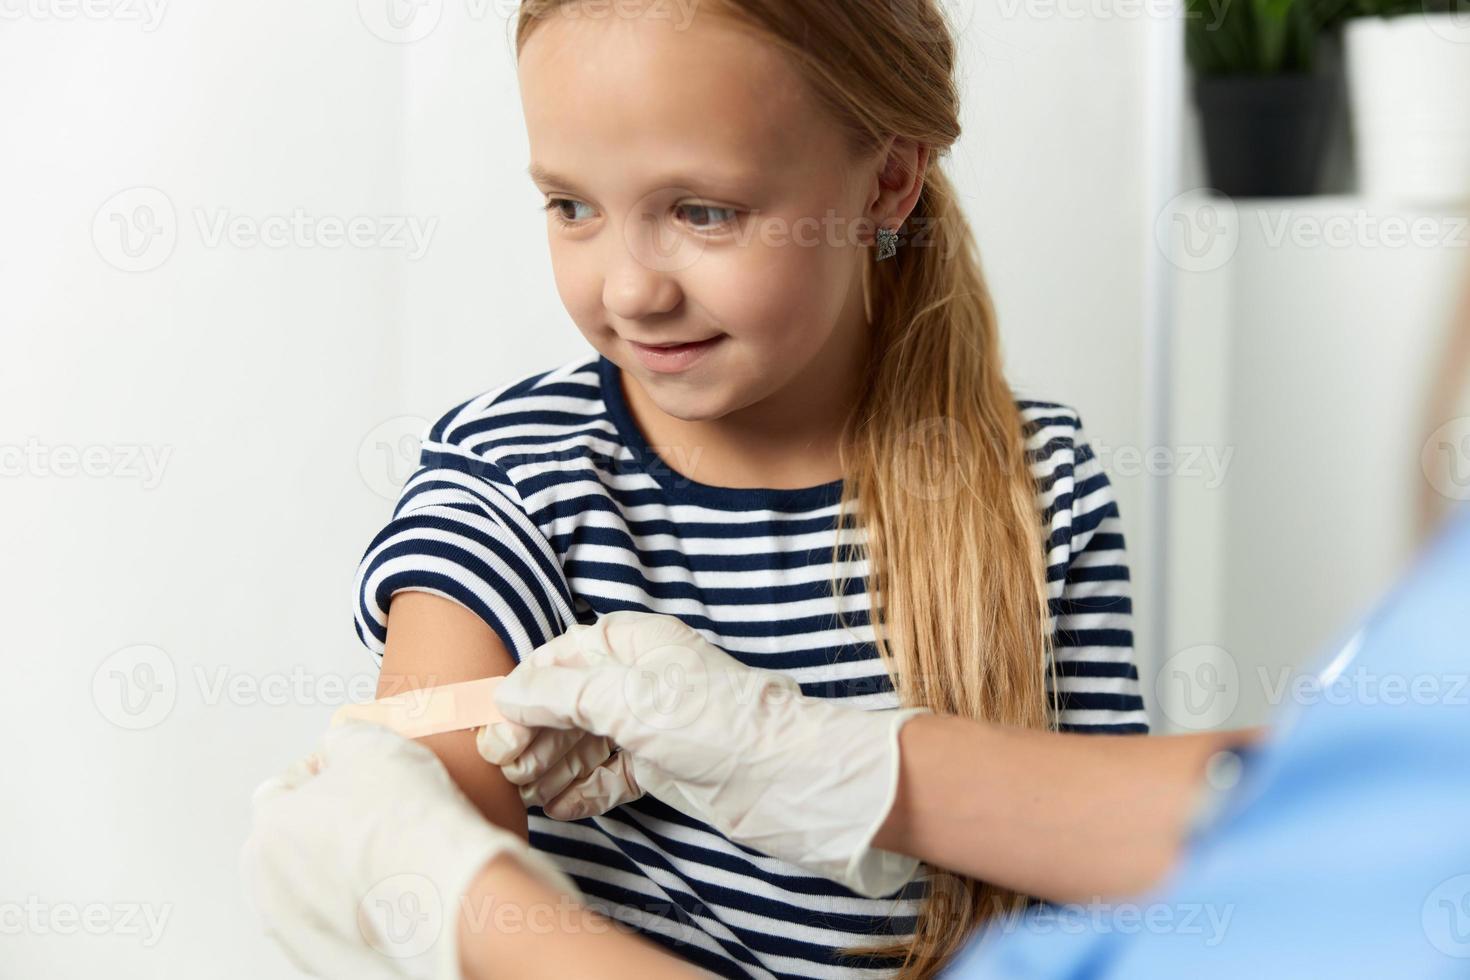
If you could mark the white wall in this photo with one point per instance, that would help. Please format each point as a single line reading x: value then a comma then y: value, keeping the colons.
x: 1310, y: 336
x: 1054, y: 167
x: 257, y: 371
x: 280, y: 380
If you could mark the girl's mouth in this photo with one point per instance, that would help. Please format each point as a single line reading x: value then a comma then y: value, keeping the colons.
x: 671, y: 360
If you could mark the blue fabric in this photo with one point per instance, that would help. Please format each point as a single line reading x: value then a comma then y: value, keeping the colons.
x: 1344, y: 851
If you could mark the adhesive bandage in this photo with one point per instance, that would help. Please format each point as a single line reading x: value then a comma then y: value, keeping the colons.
x: 430, y: 710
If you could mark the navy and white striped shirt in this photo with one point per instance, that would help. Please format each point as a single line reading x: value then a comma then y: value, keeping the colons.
x: 540, y: 504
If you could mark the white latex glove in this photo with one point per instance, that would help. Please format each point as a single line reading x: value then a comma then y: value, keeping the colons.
x: 801, y: 779
x: 360, y: 855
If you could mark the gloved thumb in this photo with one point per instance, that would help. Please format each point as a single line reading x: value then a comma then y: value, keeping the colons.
x: 562, y: 697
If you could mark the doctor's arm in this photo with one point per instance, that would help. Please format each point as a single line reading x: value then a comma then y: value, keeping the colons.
x: 1063, y: 817
x: 586, y: 944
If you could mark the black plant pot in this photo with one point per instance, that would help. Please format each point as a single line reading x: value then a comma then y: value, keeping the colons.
x: 1266, y: 136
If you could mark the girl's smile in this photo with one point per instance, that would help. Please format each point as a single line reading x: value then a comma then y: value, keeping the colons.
x: 673, y: 358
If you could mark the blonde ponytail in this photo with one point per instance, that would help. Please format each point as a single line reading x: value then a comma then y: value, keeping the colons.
x: 935, y: 465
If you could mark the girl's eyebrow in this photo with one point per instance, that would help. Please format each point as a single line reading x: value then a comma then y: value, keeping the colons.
x: 543, y: 176
x: 731, y: 182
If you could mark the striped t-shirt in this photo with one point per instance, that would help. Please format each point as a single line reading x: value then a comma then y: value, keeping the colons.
x: 540, y: 504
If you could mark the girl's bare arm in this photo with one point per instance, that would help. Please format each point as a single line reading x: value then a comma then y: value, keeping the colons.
x: 431, y: 642
x: 511, y: 924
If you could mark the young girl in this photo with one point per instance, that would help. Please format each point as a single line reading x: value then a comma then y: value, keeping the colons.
x: 785, y: 427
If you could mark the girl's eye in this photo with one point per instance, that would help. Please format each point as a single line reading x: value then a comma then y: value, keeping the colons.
x: 556, y: 207
x: 707, y: 218
x: 702, y: 217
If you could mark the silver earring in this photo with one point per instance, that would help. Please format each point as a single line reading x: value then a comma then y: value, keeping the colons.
x: 887, y: 243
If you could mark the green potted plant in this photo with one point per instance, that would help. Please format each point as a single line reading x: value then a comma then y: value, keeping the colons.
x: 1265, y: 99
x: 1409, y: 84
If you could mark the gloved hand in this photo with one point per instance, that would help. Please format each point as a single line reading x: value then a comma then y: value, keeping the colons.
x: 639, y: 703
x: 360, y: 856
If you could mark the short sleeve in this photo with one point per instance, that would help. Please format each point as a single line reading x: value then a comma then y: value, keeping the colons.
x: 1096, y: 674
x: 461, y: 531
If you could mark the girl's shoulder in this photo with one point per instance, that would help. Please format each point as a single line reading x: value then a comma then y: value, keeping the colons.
x: 1063, y: 461
x: 1052, y: 428
x: 562, y: 396
x: 1072, y: 485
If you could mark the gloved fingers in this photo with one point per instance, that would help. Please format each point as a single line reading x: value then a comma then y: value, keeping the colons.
x: 570, y: 649
x: 324, y: 954
x: 269, y: 789
x: 363, y: 963
x: 609, y: 785
x: 589, y: 698
x: 503, y: 742
x: 547, y: 750
x: 620, y: 637
x: 627, y: 635
x: 296, y: 774
x: 248, y: 865
x: 312, y: 943
x: 583, y: 757
x: 357, y: 738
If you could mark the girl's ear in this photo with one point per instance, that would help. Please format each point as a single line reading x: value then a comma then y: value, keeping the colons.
x: 900, y: 182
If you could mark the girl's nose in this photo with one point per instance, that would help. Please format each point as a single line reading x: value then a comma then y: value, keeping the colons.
x: 633, y: 290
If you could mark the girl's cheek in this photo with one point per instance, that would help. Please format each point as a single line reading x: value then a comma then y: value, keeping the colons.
x: 768, y: 297
x: 580, y: 291
x: 774, y: 302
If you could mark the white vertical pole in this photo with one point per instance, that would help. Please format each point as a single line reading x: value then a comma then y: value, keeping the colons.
x: 1164, y: 87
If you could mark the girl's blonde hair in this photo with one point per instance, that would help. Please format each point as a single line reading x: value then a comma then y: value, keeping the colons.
x: 934, y: 457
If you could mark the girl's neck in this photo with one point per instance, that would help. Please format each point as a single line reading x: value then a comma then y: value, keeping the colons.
x: 786, y: 441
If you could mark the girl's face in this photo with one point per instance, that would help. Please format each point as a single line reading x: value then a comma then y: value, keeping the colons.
x: 697, y: 191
